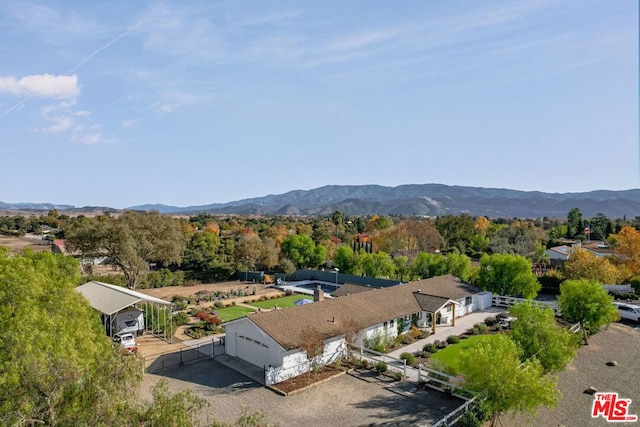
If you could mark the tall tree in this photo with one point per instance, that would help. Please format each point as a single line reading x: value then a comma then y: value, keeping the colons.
x: 507, y: 274
x: 303, y: 251
x: 575, y: 224
x: 457, y: 231
x: 586, y: 302
x: 248, y: 251
x: 131, y: 241
x: 409, y: 237
x: 536, y: 331
x: 493, y: 369
x: 201, y: 251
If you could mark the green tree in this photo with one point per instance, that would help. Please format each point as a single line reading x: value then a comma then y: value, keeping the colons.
x: 575, y: 224
x: 459, y: 265
x: 131, y: 241
x: 507, y: 274
x: 344, y: 259
x: 58, y: 366
x: 457, y: 231
x: 538, y: 334
x: 201, y: 251
x: 429, y: 265
x: 587, y: 302
x: 493, y: 369
x: 302, y: 250
x: 378, y: 264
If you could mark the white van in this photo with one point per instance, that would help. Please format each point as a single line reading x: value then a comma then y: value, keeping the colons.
x: 628, y: 311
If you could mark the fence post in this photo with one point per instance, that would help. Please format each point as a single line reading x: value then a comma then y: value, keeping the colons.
x: 405, y: 369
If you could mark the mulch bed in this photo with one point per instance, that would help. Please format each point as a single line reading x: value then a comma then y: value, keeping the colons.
x: 303, y: 381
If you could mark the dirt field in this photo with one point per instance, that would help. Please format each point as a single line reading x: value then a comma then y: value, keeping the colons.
x: 17, y: 244
x: 167, y: 293
x: 621, y: 342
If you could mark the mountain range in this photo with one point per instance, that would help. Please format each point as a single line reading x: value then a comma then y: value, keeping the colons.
x: 413, y: 199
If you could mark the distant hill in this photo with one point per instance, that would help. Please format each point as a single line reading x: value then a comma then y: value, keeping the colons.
x: 413, y: 199
x: 424, y: 199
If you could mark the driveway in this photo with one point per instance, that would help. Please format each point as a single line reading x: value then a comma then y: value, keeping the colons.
x: 342, y: 401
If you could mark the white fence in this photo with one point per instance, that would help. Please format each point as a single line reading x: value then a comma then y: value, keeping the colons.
x: 503, y: 301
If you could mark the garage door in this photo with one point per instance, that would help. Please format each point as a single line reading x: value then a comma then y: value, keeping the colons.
x: 251, y: 350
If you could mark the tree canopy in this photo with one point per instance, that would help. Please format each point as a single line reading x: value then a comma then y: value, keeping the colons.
x: 131, y: 241
x: 507, y: 274
x: 494, y: 370
x: 538, y: 334
x: 587, y: 302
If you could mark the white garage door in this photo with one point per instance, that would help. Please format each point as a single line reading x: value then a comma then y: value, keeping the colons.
x: 253, y: 351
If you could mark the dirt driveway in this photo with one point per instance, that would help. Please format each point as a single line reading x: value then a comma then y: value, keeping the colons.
x: 340, y: 401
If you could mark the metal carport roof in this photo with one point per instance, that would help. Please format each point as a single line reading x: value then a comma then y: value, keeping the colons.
x: 110, y: 299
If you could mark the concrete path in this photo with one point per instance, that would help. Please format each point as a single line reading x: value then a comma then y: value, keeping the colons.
x: 443, y: 331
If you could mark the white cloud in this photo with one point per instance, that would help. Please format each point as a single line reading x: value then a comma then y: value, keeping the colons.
x: 60, y: 124
x: 42, y: 85
x: 129, y: 123
x: 90, y: 138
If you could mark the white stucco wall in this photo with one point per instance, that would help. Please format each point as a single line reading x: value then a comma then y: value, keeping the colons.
x: 266, y: 349
x: 296, y: 363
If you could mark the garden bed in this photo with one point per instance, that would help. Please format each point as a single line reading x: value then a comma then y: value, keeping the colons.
x: 301, y: 382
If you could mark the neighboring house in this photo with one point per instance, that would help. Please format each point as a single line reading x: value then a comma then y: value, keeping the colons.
x: 273, y: 340
x: 558, y: 253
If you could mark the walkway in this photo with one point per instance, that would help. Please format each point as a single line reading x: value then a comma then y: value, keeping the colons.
x: 443, y: 331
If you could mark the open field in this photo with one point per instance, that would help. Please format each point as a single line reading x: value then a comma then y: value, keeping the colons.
x: 167, y: 293
x: 17, y: 244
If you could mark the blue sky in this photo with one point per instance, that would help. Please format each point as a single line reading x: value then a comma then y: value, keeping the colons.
x: 122, y: 103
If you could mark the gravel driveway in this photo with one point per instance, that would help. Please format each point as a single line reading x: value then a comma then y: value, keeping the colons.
x: 341, y: 401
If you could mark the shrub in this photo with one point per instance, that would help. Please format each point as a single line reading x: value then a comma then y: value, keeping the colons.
x: 502, y: 316
x: 398, y: 375
x: 181, y: 319
x: 490, y: 321
x: 218, y: 304
x: 440, y: 344
x: 423, y: 335
x: 407, y: 339
x: 415, y: 332
x: 430, y: 348
x: 410, y: 358
x: 479, y: 329
x: 381, y: 367
x: 423, y: 354
x: 453, y: 339
x: 233, y: 303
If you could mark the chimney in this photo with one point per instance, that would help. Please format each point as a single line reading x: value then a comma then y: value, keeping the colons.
x: 318, y: 294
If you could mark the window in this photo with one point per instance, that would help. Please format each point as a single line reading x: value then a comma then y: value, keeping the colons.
x: 384, y: 325
x: 449, y: 308
x: 468, y: 300
x: 391, y: 323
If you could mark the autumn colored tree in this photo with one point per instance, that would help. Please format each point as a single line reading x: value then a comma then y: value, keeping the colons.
x: 627, y: 248
x: 583, y: 264
x: 408, y: 238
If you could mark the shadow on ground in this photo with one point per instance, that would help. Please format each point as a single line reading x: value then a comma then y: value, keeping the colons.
x: 405, y: 404
x: 211, y: 375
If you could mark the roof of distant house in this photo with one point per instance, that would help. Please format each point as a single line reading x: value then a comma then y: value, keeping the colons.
x: 331, y: 318
x: 350, y: 289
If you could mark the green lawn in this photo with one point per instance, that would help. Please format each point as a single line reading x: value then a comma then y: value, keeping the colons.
x: 234, y: 312
x: 451, y: 355
x: 281, y: 302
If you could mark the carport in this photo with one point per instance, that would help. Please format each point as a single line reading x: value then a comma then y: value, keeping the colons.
x: 111, y: 299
